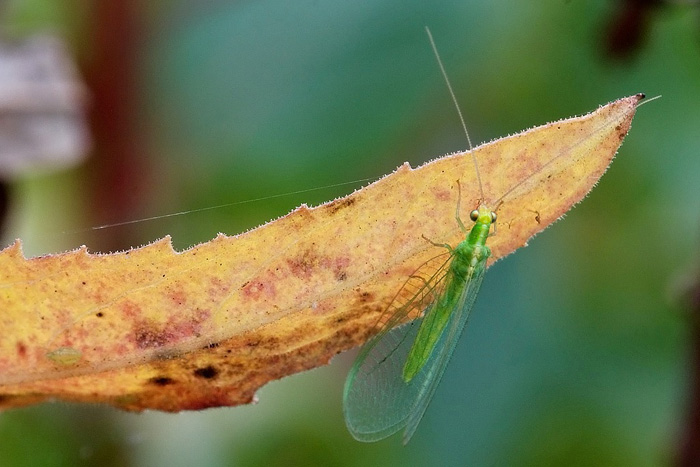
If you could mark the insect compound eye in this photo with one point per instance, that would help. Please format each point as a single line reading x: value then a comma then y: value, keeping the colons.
x: 474, y: 215
x: 493, y: 217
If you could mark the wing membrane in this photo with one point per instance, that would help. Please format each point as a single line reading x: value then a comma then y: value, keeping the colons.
x: 432, y: 372
x: 377, y: 401
x: 419, y: 291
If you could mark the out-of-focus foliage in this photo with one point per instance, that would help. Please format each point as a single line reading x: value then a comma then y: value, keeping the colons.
x: 576, y: 350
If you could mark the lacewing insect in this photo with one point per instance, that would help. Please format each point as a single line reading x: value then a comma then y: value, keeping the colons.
x: 398, y: 370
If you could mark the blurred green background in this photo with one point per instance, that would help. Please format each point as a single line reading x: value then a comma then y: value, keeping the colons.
x: 578, y: 352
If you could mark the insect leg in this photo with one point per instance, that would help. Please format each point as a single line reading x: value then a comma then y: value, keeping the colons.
x: 462, y: 227
x: 443, y: 245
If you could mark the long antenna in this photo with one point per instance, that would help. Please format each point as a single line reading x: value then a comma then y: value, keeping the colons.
x: 210, y: 208
x: 459, y: 111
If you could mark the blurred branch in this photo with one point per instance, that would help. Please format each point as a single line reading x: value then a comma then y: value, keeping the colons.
x: 120, y: 176
x: 689, y: 448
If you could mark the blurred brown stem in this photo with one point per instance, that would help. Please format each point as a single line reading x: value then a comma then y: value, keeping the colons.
x: 689, y: 448
x: 119, y: 168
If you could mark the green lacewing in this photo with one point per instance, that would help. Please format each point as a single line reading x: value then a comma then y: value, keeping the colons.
x: 398, y: 370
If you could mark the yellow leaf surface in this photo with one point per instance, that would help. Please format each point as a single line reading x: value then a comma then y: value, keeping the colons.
x: 158, y: 329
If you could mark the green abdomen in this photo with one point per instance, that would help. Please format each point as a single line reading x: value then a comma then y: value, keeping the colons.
x: 467, y: 258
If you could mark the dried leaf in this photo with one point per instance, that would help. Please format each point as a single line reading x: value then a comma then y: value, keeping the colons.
x: 153, y: 328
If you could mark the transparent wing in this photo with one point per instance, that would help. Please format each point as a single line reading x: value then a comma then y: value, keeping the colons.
x: 419, y: 291
x: 374, y: 386
x: 377, y: 401
x: 432, y: 372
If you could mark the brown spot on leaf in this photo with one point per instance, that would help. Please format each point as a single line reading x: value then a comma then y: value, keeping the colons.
x: 148, y: 336
x: 303, y: 266
x: 338, y: 265
x: 366, y: 297
x: 208, y: 372
x: 337, y: 205
x: 161, y: 381
x: 21, y: 350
